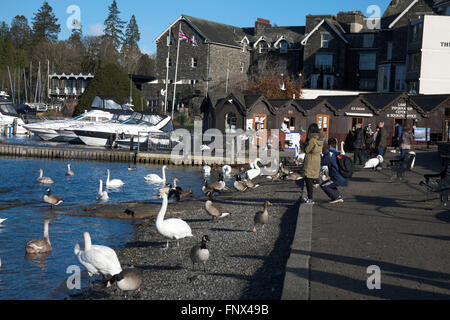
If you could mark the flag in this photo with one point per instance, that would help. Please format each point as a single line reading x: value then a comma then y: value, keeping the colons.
x: 183, y: 37
x: 194, y: 41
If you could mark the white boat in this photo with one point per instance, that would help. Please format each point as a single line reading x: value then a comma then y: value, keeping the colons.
x: 8, y: 115
x: 139, y: 124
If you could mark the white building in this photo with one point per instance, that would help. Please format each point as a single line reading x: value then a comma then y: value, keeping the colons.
x: 428, y: 62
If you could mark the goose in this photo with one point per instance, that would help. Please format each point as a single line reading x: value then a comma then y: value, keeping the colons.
x: 52, y: 199
x: 178, y: 192
x: 253, y: 173
x: 206, y: 189
x: 115, y: 183
x: 226, y: 170
x: 69, y: 172
x: 373, y: 163
x: 218, y: 186
x: 127, y: 280
x: 44, y: 180
x: 102, y: 195
x: 239, y: 184
x: 262, y: 217
x: 174, y: 228
x: 130, y: 168
x: 97, y: 259
x: 215, y: 211
x: 342, y: 148
x: 294, y: 176
x: 3, y: 220
x: 206, y: 170
x: 284, y: 170
x: 250, y: 184
x: 200, y: 253
x: 40, y: 246
x: 155, y: 178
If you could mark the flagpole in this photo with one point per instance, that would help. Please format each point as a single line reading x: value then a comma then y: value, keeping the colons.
x: 167, y: 72
x: 176, y: 72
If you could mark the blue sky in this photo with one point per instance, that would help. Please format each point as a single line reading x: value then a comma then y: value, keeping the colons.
x: 156, y: 15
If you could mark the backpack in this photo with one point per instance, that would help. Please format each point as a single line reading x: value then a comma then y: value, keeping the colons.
x: 345, y: 165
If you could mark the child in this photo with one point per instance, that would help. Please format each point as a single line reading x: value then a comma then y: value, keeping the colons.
x: 330, y: 187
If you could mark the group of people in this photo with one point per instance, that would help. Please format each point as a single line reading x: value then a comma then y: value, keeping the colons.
x: 366, y: 143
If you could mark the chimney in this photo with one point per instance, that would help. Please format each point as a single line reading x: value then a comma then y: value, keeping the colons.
x: 261, y: 25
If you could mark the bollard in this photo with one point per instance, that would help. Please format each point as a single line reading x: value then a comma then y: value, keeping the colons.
x: 14, y: 127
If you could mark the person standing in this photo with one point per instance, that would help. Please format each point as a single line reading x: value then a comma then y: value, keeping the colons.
x: 311, y: 166
x: 358, y: 144
x: 380, y: 143
x: 398, y: 136
x: 368, y: 141
x: 336, y: 180
x: 406, y: 141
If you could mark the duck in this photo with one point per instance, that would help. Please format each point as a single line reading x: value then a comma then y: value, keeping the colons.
x: 200, y: 253
x: 115, y: 183
x: 226, y: 170
x: 256, y: 171
x: 373, y: 163
x: 239, y: 185
x: 262, y: 217
x: 174, y: 229
x: 342, y: 148
x: 97, y: 259
x: 40, y: 246
x: 178, y: 192
x: 42, y: 179
x: 127, y: 280
x: 155, y: 178
x: 102, y: 195
x: 52, y: 199
x: 69, y: 172
x: 215, y: 210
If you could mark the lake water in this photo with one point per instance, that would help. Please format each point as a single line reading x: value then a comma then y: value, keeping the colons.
x: 21, y: 201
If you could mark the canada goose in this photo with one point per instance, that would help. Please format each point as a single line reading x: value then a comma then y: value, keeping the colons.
x: 52, y: 199
x: 200, y: 253
x: 218, y: 186
x: 127, y: 280
x: 249, y: 183
x: 115, y: 183
x: 262, y: 217
x: 206, y: 189
x: 215, y: 210
x: 130, y: 168
x: 226, y: 170
x: 294, y: 176
x: 373, y: 163
x: 253, y: 173
x: 342, y: 148
x: 284, y: 170
x: 155, y: 178
x: 174, y: 229
x: 102, y: 195
x: 44, y: 180
x: 40, y: 246
x: 239, y: 184
x: 97, y: 259
x: 69, y: 172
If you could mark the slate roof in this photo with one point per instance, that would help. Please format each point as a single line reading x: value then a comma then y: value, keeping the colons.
x: 429, y: 102
x: 339, y: 102
x: 396, y: 8
x: 380, y: 100
x: 309, y: 104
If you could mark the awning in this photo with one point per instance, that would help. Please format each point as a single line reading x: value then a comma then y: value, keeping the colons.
x: 351, y: 114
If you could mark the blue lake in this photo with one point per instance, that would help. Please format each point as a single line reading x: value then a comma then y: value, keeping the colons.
x: 21, y: 201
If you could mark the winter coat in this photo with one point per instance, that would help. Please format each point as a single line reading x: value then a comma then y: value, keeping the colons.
x: 406, y: 141
x: 381, y: 139
x: 311, y: 166
x: 330, y: 161
x: 358, y: 139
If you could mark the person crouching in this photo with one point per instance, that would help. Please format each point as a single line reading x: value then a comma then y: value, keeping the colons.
x: 336, y: 180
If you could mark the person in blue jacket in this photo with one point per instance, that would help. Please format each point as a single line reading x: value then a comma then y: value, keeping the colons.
x: 336, y: 180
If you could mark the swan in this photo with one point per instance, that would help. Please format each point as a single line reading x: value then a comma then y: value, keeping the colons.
x: 40, y: 246
x: 171, y: 228
x: 44, y: 180
x: 253, y: 173
x: 115, y: 183
x: 102, y: 195
x: 69, y: 172
x: 200, y: 253
x: 226, y: 170
x: 155, y: 178
x: 373, y: 163
x: 270, y: 171
x: 262, y: 217
x: 52, y: 199
x: 342, y: 148
x: 206, y: 170
x: 97, y: 259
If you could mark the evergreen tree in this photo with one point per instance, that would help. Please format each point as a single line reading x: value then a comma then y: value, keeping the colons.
x: 132, y: 35
x: 75, y: 39
x: 45, y: 25
x: 114, y: 26
x: 21, y: 32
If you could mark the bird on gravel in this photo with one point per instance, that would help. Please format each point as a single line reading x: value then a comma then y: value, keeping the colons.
x: 200, y: 253
x: 215, y: 210
x: 127, y: 280
x: 262, y: 217
x: 239, y: 184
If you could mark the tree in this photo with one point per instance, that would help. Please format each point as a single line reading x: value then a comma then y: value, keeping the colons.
x: 114, y: 26
x: 21, y: 32
x: 274, y: 87
x: 111, y: 79
x: 45, y: 25
x: 130, y: 49
x: 146, y: 65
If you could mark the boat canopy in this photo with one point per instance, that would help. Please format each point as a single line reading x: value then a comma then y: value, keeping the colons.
x: 109, y: 103
x: 8, y: 109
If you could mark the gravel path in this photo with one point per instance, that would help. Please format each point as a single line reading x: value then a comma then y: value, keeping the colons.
x: 242, y: 265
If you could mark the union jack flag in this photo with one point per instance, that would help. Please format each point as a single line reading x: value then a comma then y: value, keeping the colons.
x: 183, y: 37
x: 194, y: 41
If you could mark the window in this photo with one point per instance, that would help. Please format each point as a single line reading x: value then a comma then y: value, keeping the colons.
x: 169, y: 40
x: 260, y: 122
x: 389, y: 50
x: 324, y: 41
x: 289, y: 121
x: 244, y: 46
x: 242, y: 67
x: 314, y: 79
x: 368, y: 40
x: 367, y: 84
x: 194, y: 62
x: 367, y: 61
x: 193, y: 81
x: 324, y: 61
x: 356, y: 121
x: 283, y: 47
x: 168, y: 62
x: 328, y: 82
x: 384, y: 78
x: 263, y: 47
x: 400, y: 78
x: 416, y: 32
x: 230, y: 122
x: 414, y: 61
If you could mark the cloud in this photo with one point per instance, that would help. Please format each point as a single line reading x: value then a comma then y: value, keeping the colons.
x: 96, y: 29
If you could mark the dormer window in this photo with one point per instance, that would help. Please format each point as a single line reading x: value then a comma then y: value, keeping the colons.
x: 263, y: 47
x: 283, y: 47
x: 324, y: 40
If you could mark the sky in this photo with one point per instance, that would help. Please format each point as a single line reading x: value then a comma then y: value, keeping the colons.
x: 154, y: 16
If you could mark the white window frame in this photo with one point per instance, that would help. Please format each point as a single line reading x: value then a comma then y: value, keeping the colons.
x: 365, y: 63
x: 194, y: 62
x: 265, y: 45
x: 168, y: 62
x: 169, y: 41
x: 323, y: 41
x: 193, y: 81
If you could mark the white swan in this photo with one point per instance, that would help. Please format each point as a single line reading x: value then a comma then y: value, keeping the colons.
x: 373, y: 163
x: 226, y: 170
x: 44, y: 180
x: 253, y: 173
x: 206, y: 170
x: 97, y: 259
x: 115, y: 183
x: 102, y: 195
x: 69, y: 172
x: 155, y: 178
x: 342, y: 148
x: 174, y: 229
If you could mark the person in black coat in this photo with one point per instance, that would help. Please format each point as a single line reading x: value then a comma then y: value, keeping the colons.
x: 336, y: 180
x: 358, y: 144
